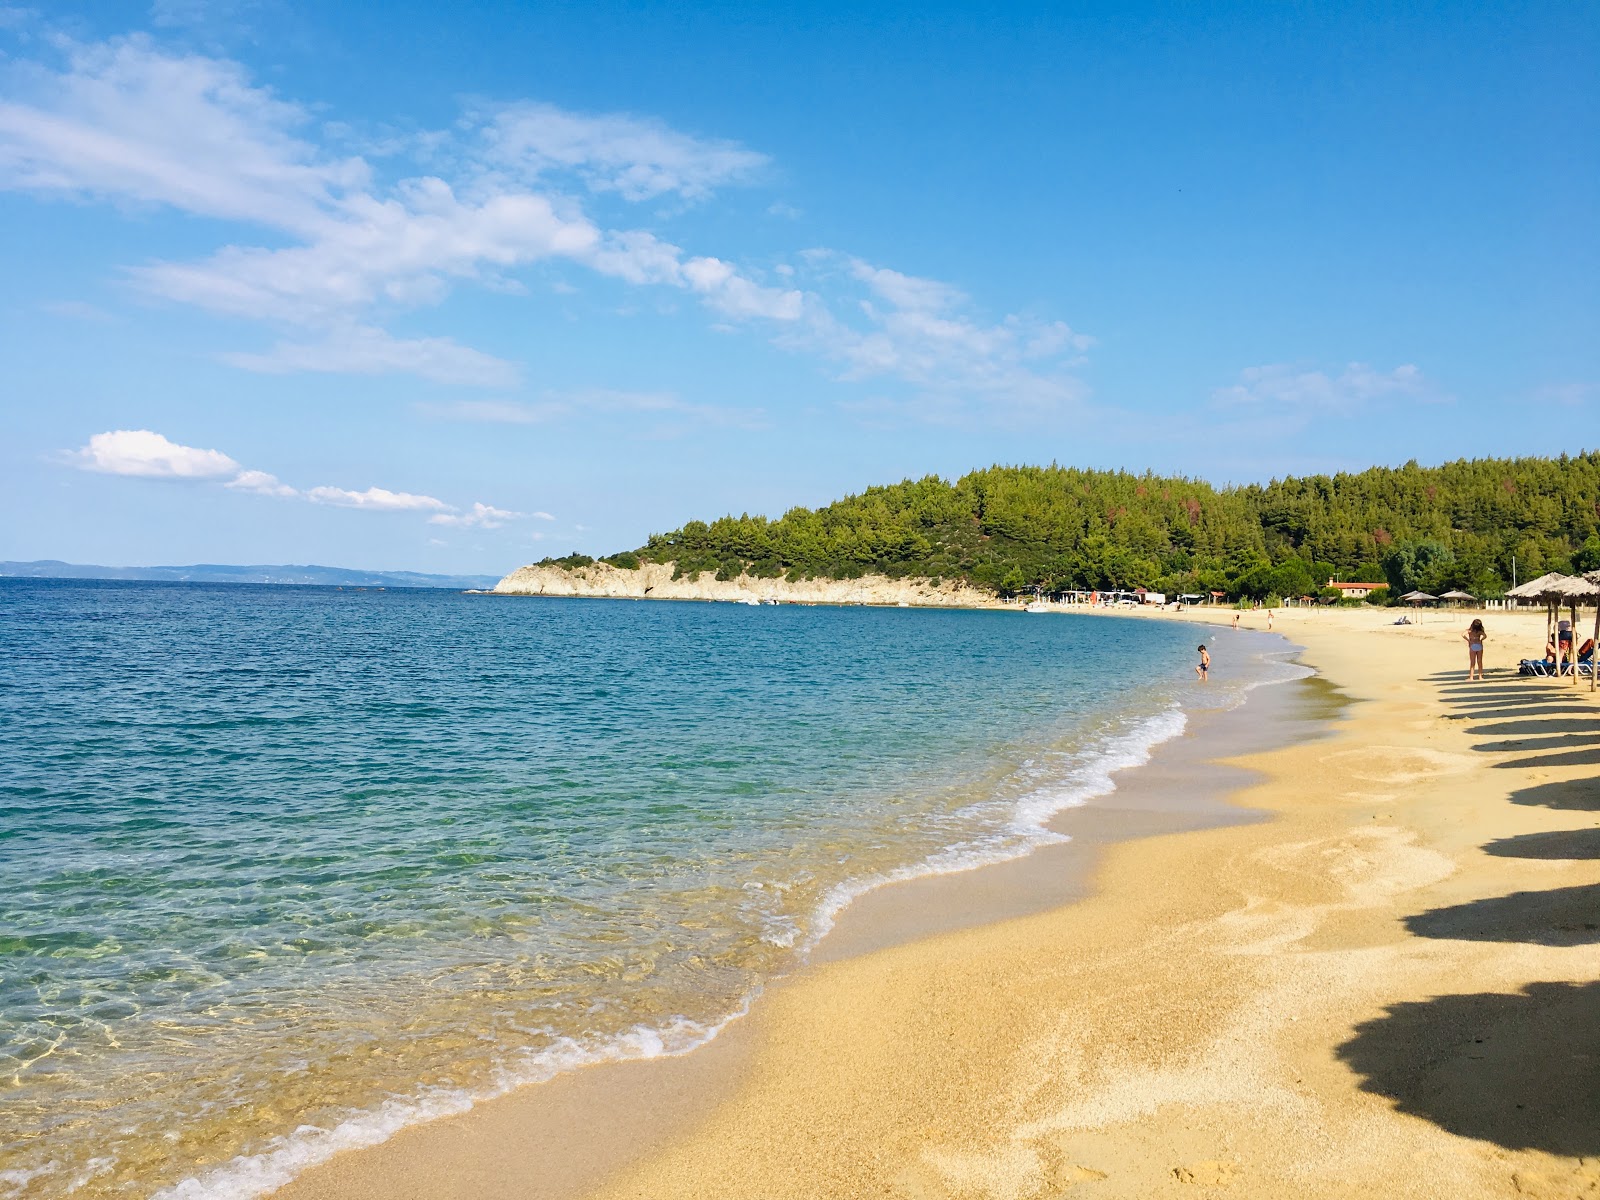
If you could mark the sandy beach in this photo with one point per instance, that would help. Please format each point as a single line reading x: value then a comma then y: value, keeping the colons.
x: 1380, y: 976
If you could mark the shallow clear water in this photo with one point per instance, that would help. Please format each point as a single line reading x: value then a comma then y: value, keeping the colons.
x: 283, y: 869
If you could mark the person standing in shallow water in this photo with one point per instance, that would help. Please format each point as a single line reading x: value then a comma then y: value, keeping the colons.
x: 1474, y: 637
x: 1203, y: 669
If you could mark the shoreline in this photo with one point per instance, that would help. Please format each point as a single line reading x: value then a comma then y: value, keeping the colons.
x: 641, y: 1104
x: 1387, y: 989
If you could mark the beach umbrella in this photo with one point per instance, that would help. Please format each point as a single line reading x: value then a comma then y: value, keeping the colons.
x: 1534, y: 589
x: 1458, y: 596
x: 1417, y: 600
x: 1573, y: 590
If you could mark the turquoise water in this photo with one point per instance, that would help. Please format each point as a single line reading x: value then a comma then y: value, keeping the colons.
x: 282, y: 870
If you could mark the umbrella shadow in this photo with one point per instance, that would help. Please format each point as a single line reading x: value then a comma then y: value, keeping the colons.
x: 1568, y: 916
x: 1588, y: 757
x: 1571, y: 795
x: 1523, y: 712
x: 1560, y: 844
x: 1534, y: 745
x: 1521, y: 1070
x: 1547, y: 725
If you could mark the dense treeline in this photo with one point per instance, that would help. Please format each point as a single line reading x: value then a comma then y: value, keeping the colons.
x: 1012, y: 528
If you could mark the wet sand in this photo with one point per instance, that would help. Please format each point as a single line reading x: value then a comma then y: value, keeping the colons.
x: 1375, y: 972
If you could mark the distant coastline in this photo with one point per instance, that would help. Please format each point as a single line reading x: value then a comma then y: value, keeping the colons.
x: 294, y: 576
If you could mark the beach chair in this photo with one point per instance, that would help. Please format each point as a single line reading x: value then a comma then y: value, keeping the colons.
x: 1542, y: 667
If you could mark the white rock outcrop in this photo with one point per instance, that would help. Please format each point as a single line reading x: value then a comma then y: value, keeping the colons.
x: 654, y: 581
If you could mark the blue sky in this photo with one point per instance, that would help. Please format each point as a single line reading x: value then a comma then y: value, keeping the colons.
x: 452, y: 288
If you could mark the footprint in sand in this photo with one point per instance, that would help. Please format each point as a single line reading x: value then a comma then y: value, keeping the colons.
x: 1207, y: 1174
x: 1582, y: 1179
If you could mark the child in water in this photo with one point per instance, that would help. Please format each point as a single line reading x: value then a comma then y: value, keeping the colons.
x: 1204, y: 668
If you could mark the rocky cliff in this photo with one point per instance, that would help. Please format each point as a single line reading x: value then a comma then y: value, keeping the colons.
x: 653, y: 581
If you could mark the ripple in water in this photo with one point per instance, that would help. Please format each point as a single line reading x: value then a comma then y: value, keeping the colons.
x: 282, y: 870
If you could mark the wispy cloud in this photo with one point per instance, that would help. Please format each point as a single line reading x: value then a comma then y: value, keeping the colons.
x: 480, y: 516
x: 637, y: 157
x: 127, y: 121
x: 925, y: 333
x: 262, y: 484
x: 353, y: 238
x: 555, y: 406
x: 376, y: 499
x: 364, y: 350
x: 1297, y: 389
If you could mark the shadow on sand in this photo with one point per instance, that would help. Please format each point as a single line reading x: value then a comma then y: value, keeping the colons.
x: 1568, y: 916
x: 1519, y: 1070
x: 1567, y: 844
x: 1569, y: 795
x: 1550, y: 724
x: 1589, y: 757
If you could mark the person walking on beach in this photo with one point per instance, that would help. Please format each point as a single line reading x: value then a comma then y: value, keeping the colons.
x: 1474, y: 637
x: 1269, y: 620
x: 1236, y: 620
x: 1204, y: 668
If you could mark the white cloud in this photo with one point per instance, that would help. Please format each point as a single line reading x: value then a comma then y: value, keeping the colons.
x: 920, y: 332
x: 364, y: 350
x: 144, y: 453
x: 906, y: 291
x: 131, y: 121
x: 403, y: 250
x: 484, y: 516
x: 638, y: 158
x: 262, y: 484
x: 127, y: 120
x: 375, y: 499
x: 1299, y: 390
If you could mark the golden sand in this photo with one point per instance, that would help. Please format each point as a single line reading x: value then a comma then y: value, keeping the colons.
x: 1390, y: 989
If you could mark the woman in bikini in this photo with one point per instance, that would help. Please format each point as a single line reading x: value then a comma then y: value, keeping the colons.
x: 1474, y: 637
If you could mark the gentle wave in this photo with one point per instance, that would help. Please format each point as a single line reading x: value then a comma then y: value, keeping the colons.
x: 1028, y: 827
x: 254, y: 1175
x: 1092, y: 775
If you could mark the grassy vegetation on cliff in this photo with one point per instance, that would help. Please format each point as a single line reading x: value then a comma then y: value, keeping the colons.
x: 1009, y: 528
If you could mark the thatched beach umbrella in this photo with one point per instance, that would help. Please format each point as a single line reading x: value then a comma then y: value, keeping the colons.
x: 1458, y: 597
x: 1573, y: 590
x: 1535, y: 589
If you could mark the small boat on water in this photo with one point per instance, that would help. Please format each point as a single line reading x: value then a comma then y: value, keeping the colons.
x: 1038, y: 606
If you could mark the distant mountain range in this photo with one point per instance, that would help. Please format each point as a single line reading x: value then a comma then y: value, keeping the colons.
x: 218, y: 573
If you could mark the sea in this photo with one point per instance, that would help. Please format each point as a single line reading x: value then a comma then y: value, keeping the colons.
x: 286, y: 869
